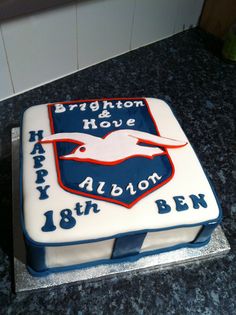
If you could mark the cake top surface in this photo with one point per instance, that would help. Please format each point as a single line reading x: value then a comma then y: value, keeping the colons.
x: 94, y: 169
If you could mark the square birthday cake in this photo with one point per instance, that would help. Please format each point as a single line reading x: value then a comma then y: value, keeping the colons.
x: 107, y: 181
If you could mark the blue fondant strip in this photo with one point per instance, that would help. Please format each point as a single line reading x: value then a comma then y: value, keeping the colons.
x: 205, y: 233
x: 128, y: 245
x: 35, y: 256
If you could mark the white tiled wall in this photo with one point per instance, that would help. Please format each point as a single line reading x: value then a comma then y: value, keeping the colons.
x: 41, y: 46
x: 44, y: 46
x: 5, y: 80
x: 104, y: 29
x: 188, y: 13
x: 153, y: 20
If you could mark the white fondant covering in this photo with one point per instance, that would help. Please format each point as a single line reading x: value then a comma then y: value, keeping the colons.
x: 113, y: 219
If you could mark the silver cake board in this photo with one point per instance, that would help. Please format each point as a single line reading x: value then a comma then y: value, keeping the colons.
x: 24, y: 281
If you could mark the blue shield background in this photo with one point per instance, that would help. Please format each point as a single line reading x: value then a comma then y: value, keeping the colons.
x: 132, y: 170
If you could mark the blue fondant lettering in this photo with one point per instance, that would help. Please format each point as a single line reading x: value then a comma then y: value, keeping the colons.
x: 37, y: 161
x: 43, y: 192
x: 41, y: 173
x: 40, y: 176
x: 67, y: 220
x: 163, y: 207
x: 89, y: 206
x: 37, y: 149
x: 198, y: 200
x: 78, y: 207
x: 180, y: 204
x: 36, y: 135
x: 49, y: 225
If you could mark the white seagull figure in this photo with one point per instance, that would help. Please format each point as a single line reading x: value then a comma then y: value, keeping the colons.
x: 113, y: 148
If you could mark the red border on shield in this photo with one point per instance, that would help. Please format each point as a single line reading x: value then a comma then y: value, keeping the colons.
x: 95, y: 196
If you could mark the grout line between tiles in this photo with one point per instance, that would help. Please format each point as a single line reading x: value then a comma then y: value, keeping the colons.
x: 8, y: 64
x: 77, y: 35
x: 132, y: 27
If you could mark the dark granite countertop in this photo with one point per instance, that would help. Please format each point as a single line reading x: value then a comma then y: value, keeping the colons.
x: 187, y: 72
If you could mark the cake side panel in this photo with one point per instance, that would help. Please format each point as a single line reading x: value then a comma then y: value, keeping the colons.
x: 59, y: 256
x: 64, y: 258
x: 169, y: 238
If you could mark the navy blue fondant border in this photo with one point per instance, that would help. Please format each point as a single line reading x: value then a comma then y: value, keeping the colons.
x: 205, y: 233
x: 128, y: 259
x: 38, y: 244
x: 35, y: 257
x: 216, y: 221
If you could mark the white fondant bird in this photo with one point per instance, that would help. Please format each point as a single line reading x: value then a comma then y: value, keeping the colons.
x: 113, y: 148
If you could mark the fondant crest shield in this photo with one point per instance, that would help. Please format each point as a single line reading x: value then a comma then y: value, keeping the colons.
x: 109, y: 149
